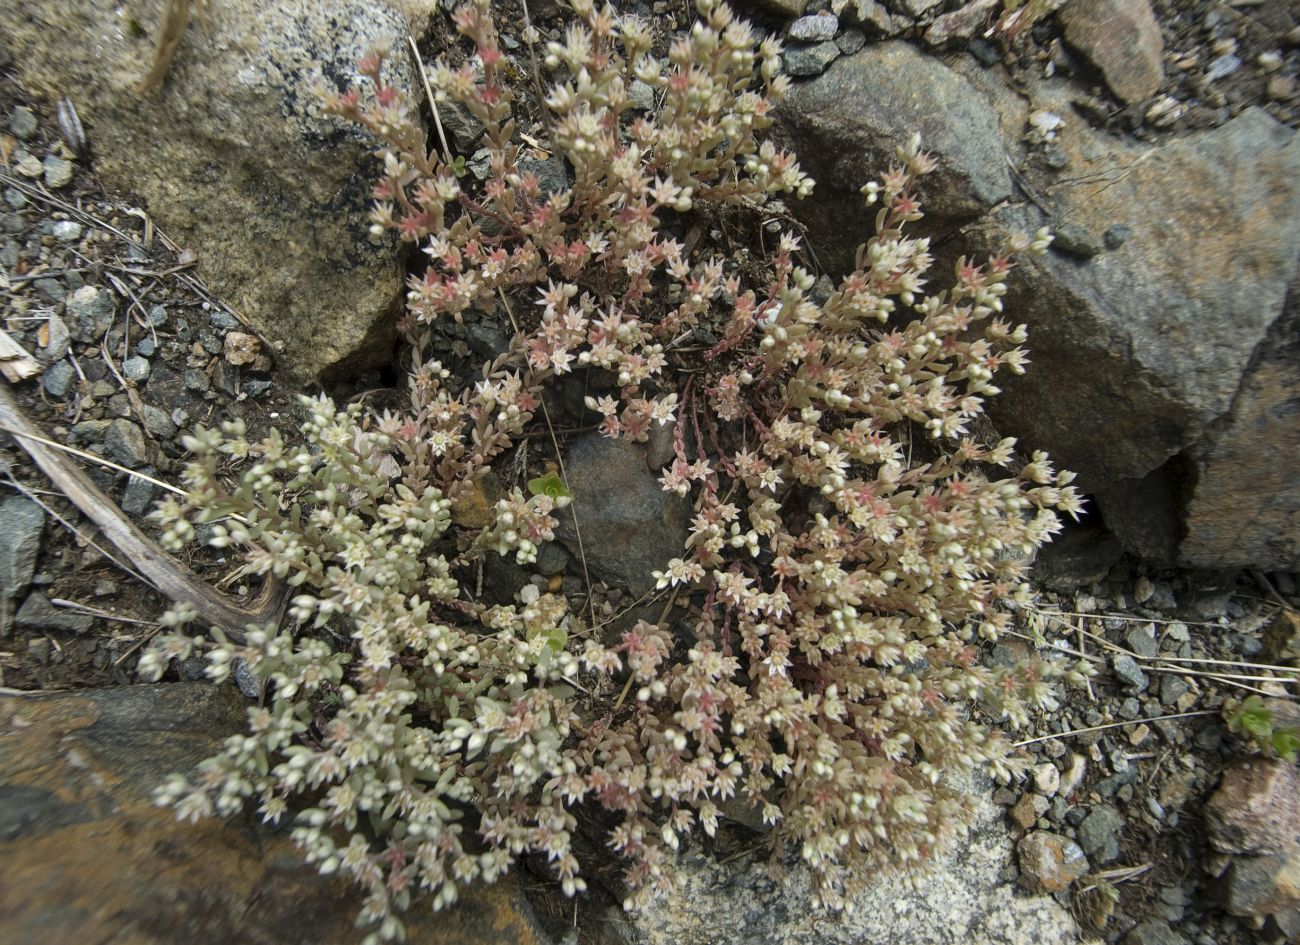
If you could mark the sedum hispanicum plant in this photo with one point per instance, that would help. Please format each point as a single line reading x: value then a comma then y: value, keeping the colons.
x: 853, y: 542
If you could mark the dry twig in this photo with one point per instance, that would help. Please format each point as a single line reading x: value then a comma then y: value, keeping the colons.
x: 177, y: 582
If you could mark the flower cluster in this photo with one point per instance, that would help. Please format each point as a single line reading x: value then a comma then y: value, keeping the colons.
x: 856, y: 534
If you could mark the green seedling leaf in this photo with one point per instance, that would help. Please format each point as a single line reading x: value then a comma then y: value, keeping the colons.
x: 1286, y: 742
x: 549, y: 485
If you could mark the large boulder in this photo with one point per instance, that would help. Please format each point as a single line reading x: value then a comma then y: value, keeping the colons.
x: 233, y: 155
x: 1162, y: 367
x: 846, y: 124
x: 88, y: 857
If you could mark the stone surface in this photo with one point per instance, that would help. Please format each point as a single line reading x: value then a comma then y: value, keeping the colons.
x: 962, y: 902
x: 91, y: 311
x: 233, y: 155
x: 1080, y: 555
x: 784, y: 7
x: 814, y: 29
x: 1256, y: 808
x: 846, y: 124
x: 1154, y: 932
x: 1246, y: 504
x: 87, y: 857
x: 58, y: 378
x: 1099, y: 834
x: 1260, y: 886
x: 810, y: 60
x: 22, y: 523
x: 873, y: 17
x: 1128, y: 672
x: 125, y: 443
x: 1162, y: 371
x: 629, y: 525
x: 1133, y: 68
x: 960, y: 23
x: 37, y: 613
x: 1049, y: 862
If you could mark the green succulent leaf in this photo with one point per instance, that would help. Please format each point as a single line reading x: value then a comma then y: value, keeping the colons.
x: 549, y: 485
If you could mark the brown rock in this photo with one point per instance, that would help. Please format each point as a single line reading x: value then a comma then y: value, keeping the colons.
x: 241, y: 348
x: 1256, y: 809
x: 1026, y: 811
x: 234, y: 156
x: 88, y: 858
x: 1133, y: 67
x: 1049, y: 862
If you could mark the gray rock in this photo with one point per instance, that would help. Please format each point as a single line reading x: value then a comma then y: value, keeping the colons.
x: 197, y: 380
x: 913, y: 8
x: 874, y: 18
x: 1099, y: 834
x: 22, y: 123
x: 125, y: 444
x: 846, y: 125
x: 814, y: 29
x: 249, y: 683
x: 630, y: 526
x: 1167, y: 388
x: 961, y: 900
x: 159, y: 422
x: 810, y: 60
x: 135, y: 368
x: 1260, y: 886
x: 960, y: 23
x: 234, y: 154
x: 137, y: 497
x: 1129, y: 673
x: 1071, y: 238
x: 551, y: 174
x: 461, y: 125
x: 551, y: 558
x: 1117, y: 235
x: 58, y: 379
x: 67, y: 231
x: 1154, y: 932
x: 786, y: 7
x: 1134, y: 68
x: 1172, y: 688
x: 641, y: 96
x: 60, y: 339
x: 22, y: 522
x: 91, y: 311
x: 1080, y: 555
x: 58, y: 172
x: 37, y: 613
x: 1141, y: 639
x: 1222, y: 67
x: 850, y: 41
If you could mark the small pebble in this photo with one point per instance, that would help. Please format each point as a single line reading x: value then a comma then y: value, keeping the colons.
x: 1047, y: 779
x: 58, y: 378
x: 1117, y: 235
x: 814, y: 29
x: 58, y: 172
x: 22, y: 122
x: 135, y: 369
x: 68, y: 231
